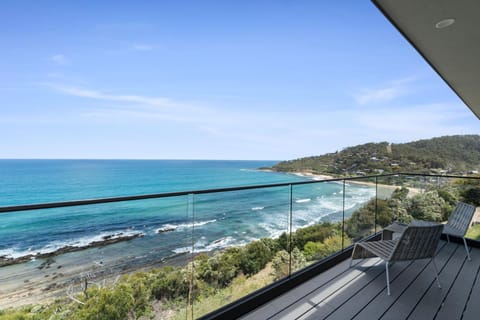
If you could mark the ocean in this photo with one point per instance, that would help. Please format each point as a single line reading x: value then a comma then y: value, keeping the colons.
x: 169, y: 226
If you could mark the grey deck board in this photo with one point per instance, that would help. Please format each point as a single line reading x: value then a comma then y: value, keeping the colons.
x: 294, y: 298
x: 423, y: 280
x: 432, y: 300
x: 336, y: 299
x: 360, y: 292
x: 472, y: 310
x: 377, y: 289
x: 382, y: 302
x: 315, y: 298
x: 454, y: 304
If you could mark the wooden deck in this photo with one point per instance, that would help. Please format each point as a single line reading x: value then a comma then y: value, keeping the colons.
x: 360, y: 292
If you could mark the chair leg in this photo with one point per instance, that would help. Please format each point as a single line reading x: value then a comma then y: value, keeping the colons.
x: 448, y: 238
x: 466, y: 248
x: 436, y: 272
x: 353, y: 252
x: 388, y: 278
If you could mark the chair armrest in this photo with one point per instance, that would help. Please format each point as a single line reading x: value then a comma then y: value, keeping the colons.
x: 395, y: 227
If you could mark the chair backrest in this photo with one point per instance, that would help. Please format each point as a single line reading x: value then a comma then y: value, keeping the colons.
x: 461, y: 217
x: 417, y: 242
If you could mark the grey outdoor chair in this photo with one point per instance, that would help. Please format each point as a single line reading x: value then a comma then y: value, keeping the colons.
x: 459, y: 222
x: 416, y: 242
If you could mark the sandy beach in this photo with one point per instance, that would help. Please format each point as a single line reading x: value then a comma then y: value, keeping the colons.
x: 384, y: 190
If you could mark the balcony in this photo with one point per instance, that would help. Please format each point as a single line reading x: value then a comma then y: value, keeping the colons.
x: 359, y: 292
x: 188, y: 229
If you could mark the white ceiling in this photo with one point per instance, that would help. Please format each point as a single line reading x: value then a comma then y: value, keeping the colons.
x: 454, y: 51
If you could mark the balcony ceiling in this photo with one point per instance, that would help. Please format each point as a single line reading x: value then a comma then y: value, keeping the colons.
x: 454, y: 50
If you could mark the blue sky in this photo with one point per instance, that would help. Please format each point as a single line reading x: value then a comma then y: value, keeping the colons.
x: 212, y: 80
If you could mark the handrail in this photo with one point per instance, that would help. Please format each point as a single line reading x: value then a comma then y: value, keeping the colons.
x: 83, y: 202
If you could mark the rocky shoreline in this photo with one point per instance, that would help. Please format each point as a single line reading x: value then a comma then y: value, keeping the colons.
x: 106, y: 240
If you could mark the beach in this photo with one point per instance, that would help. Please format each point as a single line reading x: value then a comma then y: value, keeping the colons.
x: 384, y: 190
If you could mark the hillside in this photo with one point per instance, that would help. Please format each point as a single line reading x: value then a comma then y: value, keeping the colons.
x: 450, y: 154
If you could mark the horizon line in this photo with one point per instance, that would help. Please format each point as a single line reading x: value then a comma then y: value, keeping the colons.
x: 141, y: 159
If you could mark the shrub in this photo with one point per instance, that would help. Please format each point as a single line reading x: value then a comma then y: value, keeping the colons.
x: 428, y: 206
x: 170, y: 283
x: 362, y: 221
x: 471, y: 195
x: 107, y: 304
x: 319, y: 250
x: 311, y: 249
x: 281, y: 262
x: 219, y: 270
x: 315, y: 233
x: 254, y: 257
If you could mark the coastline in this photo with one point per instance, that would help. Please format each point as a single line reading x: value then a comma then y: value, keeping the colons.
x: 45, y: 279
x: 313, y: 176
x: 385, y: 190
x: 106, y: 240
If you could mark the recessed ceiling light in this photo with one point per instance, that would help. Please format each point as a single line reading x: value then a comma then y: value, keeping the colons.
x: 444, y: 23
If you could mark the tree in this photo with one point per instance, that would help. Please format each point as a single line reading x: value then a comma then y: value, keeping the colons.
x: 427, y: 206
x: 362, y: 221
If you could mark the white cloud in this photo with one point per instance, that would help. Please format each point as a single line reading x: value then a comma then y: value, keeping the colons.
x: 379, y: 95
x: 127, y: 107
x: 416, y: 121
x: 141, y: 47
x: 60, y: 59
x: 393, y: 90
x: 98, y: 95
x: 279, y: 134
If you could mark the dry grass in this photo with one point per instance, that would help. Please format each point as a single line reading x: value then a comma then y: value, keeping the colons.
x: 240, y: 287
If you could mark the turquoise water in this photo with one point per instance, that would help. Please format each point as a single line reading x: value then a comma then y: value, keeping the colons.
x: 34, y: 181
x: 171, y: 225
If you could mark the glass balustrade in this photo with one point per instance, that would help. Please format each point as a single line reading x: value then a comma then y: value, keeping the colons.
x: 189, y: 253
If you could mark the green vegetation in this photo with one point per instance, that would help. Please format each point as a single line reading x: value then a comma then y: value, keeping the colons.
x: 474, y: 232
x: 211, y: 281
x: 214, y: 281
x: 450, y: 154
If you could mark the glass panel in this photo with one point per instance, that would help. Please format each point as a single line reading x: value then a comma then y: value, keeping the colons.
x: 316, y: 222
x: 361, y: 209
x: 236, y: 236
x: 87, y: 256
x: 469, y: 192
